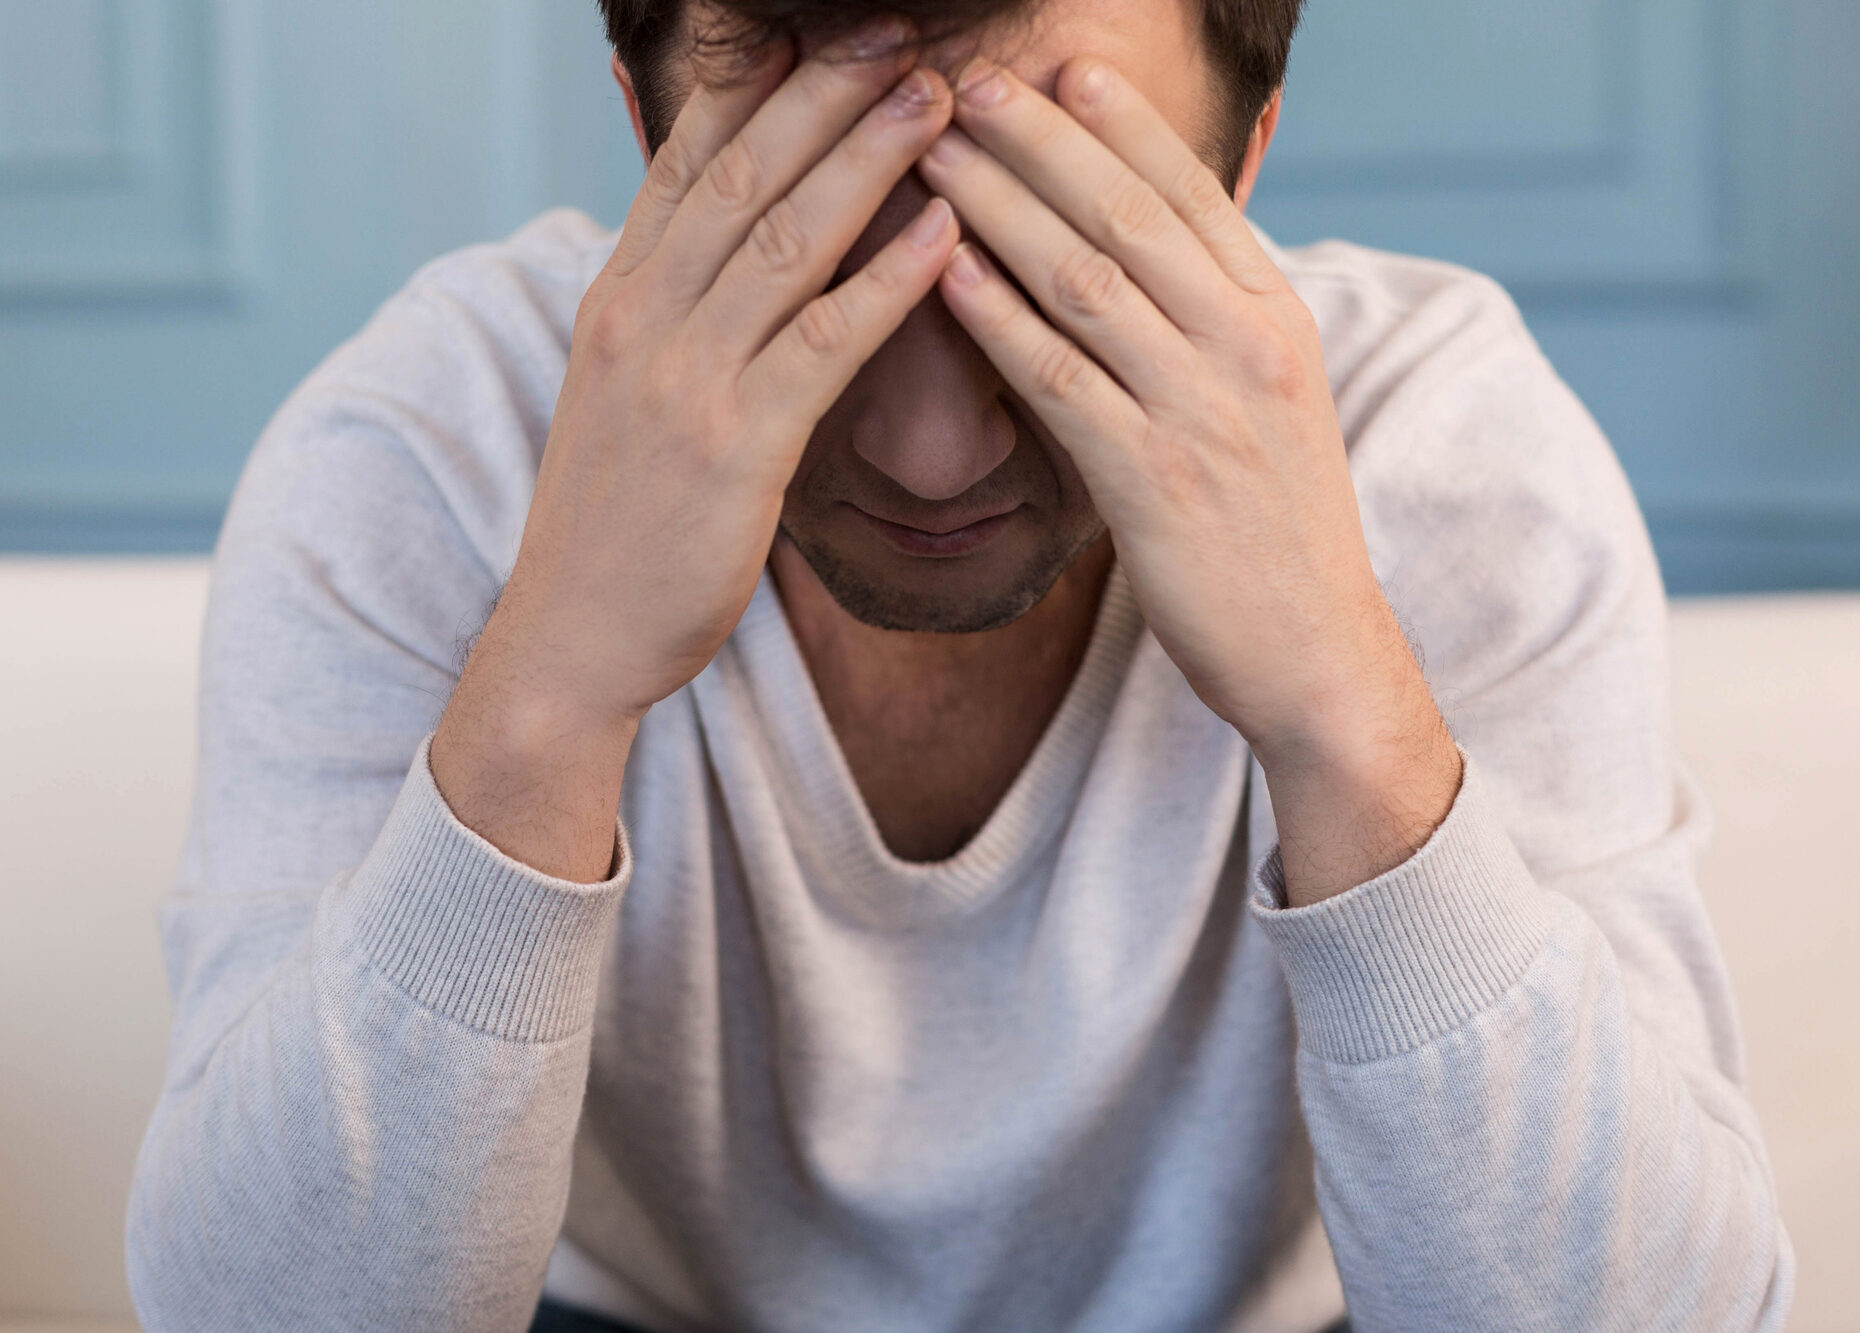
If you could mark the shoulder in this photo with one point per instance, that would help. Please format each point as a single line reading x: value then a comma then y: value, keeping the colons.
x: 532, y: 280
x: 1391, y: 320
x: 383, y: 504
x: 1508, y: 541
x: 506, y: 307
x: 1497, y: 513
x: 438, y: 407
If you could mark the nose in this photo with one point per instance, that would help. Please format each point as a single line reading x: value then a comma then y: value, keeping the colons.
x: 930, y: 413
x: 931, y: 418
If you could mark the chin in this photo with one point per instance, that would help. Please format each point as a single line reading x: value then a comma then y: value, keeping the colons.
x: 969, y: 594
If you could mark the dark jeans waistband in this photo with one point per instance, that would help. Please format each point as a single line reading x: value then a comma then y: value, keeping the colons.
x: 554, y: 1318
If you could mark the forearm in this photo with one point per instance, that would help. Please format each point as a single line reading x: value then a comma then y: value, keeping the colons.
x: 383, y: 1136
x: 531, y: 751
x: 1360, y: 783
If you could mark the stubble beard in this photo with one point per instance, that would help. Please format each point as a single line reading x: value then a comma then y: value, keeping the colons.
x: 884, y: 606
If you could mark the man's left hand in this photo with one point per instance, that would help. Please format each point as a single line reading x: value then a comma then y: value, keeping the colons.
x: 1186, y: 378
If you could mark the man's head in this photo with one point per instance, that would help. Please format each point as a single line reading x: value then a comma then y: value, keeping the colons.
x: 928, y: 437
x: 1245, y: 45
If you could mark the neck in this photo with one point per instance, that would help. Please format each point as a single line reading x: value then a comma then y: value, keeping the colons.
x: 935, y: 726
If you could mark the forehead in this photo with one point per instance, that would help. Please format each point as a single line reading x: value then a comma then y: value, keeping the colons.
x: 1156, y: 44
x: 1153, y: 43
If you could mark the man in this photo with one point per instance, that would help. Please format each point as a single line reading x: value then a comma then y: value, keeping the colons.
x: 944, y: 828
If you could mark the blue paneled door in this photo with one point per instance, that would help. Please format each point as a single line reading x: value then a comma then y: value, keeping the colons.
x: 1668, y: 187
x: 198, y: 198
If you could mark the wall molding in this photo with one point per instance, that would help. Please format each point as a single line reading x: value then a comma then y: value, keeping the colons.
x: 84, y: 150
x: 1726, y: 548
x: 175, y: 527
x: 1669, y: 195
x: 1605, y: 157
x: 1703, y: 548
x: 192, y: 179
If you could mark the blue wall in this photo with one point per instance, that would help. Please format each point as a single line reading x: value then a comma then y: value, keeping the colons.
x: 198, y: 198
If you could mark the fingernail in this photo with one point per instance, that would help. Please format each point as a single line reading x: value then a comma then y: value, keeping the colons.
x: 912, y: 96
x: 981, y: 84
x: 965, y: 266
x: 949, y: 148
x: 878, y: 39
x: 1093, y: 83
x: 928, y: 228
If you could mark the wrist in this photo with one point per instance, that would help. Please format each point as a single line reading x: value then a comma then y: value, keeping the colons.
x: 531, y: 766
x: 1356, y: 702
x: 545, y: 673
x: 1355, y: 800
x: 512, y: 732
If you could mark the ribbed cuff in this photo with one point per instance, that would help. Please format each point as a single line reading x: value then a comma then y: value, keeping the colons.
x: 473, y: 934
x: 1412, y: 954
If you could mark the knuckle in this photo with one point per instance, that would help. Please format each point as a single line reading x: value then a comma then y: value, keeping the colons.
x: 670, y: 173
x: 879, y: 282
x: 1132, y: 211
x: 717, y: 430
x: 593, y: 301
x: 735, y: 174
x: 1059, y: 369
x: 998, y: 321
x: 604, y: 330
x: 1199, y: 197
x: 824, y: 325
x: 779, y: 240
x: 1176, y: 471
x: 707, y: 428
x: 1278, y: 366
x: 1087, y: 283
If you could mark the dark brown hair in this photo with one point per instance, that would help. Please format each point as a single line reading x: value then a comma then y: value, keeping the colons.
x: 1248, y: 43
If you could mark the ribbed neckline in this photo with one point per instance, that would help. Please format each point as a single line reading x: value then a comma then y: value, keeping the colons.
x: 836, y: 842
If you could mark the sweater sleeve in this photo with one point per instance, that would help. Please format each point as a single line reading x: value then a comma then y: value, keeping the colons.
x: 1500, y: 1141
x: 1517, y: 1051
x: 382, y: 1024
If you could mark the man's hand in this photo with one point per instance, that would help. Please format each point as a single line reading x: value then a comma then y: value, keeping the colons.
x: 702, y: 357
x: 1187, y: 380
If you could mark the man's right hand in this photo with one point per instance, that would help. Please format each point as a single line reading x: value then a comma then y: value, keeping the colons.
x: 702, y: 357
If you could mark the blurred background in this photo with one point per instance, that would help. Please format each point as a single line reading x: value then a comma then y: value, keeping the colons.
x: 200, y: 198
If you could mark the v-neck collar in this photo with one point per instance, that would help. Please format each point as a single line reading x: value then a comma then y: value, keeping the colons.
x: 834, y: 837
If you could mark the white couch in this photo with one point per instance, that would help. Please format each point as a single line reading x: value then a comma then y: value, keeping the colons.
x: 96, y: 718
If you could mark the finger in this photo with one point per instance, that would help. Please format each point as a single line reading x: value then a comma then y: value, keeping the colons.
x: 712, y: 116
x: 1082, y: 290
x: 810, y: 362
x: 793, y: 248
x: 1092, y: 188
x: 1106, y: 103
x: 1086, y: 410
x: 798, y: 124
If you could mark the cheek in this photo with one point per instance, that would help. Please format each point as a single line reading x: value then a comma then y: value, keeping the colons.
x: 826, y: 471
x: 1073, y: 496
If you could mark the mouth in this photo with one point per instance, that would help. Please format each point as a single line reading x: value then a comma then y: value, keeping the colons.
x: 941, y: 544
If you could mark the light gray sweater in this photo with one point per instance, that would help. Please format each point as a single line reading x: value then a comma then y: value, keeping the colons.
x: 1089, y: 1074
